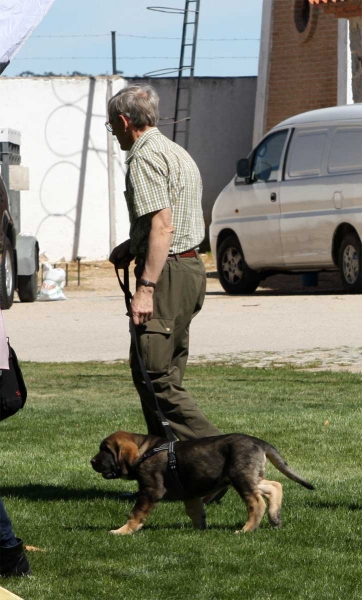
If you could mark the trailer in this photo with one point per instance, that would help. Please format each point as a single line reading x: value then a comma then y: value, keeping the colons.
x: 19, y: 252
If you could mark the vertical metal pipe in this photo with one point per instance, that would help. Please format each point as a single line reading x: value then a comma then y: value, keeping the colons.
x: 111, y: 178
x: 114, y: 58
x: 83, y: 167
x: 78, y: 261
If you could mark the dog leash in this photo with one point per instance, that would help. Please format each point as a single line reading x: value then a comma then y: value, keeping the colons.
x: 128, y: 297
x: 170, y: 447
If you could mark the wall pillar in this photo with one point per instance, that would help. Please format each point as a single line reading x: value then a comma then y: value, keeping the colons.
x: 356, y: 55
x: 263, y: 71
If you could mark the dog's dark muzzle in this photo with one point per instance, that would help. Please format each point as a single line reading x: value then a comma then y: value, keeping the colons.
x: 110, y: 475
x: 106, y: 471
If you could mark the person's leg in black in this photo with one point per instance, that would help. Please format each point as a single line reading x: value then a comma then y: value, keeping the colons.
x: 13, y: 561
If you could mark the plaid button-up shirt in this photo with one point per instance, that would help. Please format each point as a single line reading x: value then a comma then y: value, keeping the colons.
x: 161, y: 175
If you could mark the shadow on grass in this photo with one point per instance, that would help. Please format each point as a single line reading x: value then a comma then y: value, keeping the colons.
x: 165, y: 527
x: 332, y: 505
x: 38, y: 492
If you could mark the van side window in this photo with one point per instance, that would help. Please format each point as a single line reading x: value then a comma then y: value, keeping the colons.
x: 306, y: 153
x: 346, y: 150
x: 267, y: 158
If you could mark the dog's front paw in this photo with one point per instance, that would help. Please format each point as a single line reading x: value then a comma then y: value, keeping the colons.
x: 125, y: 530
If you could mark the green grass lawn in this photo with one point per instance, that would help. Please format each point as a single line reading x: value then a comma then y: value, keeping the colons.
x: 58, y: 503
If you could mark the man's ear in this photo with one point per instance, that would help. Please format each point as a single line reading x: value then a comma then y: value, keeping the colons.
x: 125, y: 120
x: 127, y: 454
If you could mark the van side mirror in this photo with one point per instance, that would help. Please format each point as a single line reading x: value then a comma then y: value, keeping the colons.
x: 243, y: 168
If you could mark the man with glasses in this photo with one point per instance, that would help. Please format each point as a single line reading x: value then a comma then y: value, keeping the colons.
x: 163, y: 194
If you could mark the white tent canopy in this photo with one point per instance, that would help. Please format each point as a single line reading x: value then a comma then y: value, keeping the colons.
x: 18, y: 19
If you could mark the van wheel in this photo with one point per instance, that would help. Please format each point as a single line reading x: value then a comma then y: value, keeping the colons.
x: 349, y: 262
x: 28, y: 287
x: 7, y: 276
x: 234, y: 274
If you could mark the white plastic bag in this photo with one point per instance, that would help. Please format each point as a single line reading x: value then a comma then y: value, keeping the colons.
x: 53, y: 283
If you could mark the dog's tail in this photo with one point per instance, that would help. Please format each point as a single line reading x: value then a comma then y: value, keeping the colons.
x: 279, y: 463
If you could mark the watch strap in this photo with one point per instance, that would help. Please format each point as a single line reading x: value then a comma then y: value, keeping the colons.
x: 146, y: 283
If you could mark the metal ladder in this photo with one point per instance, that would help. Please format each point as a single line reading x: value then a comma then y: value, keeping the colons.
x: 181, y: 126
x: 182, y: 116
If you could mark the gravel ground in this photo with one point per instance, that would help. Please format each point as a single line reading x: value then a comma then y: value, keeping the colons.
x: 280, y: 324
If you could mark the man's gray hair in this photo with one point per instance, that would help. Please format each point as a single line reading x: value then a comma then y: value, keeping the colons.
x: 138, y: 102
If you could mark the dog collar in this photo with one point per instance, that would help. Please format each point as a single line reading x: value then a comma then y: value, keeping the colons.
x: 154, y: 451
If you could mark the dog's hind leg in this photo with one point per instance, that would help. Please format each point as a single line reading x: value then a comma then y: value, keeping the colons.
x: 255, y: 506
x: 273, y: 491
x: 195, y: 510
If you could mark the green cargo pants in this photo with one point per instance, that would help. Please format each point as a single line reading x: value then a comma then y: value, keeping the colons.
x: 164, y: 347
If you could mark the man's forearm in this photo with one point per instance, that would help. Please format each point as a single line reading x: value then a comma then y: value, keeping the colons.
x: 159, y: 242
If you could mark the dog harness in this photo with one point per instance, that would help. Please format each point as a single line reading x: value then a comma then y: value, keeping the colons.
x: 170, y: 447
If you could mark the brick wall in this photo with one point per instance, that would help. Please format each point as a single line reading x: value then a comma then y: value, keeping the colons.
x: 303, y: 72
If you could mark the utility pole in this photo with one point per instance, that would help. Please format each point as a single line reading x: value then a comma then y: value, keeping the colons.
x: 111, y: 177
x: 114, y: 58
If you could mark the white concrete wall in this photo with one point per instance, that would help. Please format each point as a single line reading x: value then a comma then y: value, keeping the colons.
x: 64, y: 144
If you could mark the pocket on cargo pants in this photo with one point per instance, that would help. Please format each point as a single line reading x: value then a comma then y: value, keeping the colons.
x: 155, y: 343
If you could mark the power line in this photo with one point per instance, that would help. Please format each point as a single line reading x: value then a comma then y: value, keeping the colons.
x: 149, y: 37
x: 81, y: 35
x: 130, y: 57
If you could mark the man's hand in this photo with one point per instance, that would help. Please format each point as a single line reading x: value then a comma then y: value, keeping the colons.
x: 142, y: 305
x: 121, y: 255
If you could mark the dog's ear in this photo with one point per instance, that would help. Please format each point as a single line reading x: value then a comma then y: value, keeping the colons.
x: 127, y: 454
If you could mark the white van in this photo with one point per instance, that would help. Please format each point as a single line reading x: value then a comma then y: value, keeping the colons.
x: 295, y: 204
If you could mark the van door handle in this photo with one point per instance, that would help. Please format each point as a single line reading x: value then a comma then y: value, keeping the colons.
x: 273, y: 196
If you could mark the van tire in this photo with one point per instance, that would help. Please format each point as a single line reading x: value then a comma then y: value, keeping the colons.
x: 28, y: 287
x: 234, y: 274
x: 7, y: 276
x: 349, y: 263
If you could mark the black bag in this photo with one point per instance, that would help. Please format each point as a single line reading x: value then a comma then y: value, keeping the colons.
x: 13, y: 391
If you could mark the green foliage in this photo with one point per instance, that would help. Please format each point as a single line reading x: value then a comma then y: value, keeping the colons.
x: 59, y: 504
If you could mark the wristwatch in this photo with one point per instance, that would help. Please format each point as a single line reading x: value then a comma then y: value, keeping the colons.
x: 146, y: 283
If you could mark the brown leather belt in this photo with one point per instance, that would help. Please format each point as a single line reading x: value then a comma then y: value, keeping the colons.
x: 188, y: 254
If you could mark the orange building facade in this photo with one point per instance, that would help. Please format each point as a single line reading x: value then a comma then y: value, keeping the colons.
x: 303, y: 62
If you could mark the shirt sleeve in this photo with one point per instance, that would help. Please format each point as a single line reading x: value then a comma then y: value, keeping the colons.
x: 148, y: 178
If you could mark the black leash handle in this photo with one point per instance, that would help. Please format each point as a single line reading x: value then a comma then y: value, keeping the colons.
x: 128, y: 297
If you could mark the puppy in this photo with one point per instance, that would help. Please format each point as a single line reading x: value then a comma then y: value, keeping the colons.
x: 203, y: 467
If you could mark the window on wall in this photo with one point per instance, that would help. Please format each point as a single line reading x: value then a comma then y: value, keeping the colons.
x: 267, y: 158
x: 346, y: 151
x: 301, y: 14
x: 305, y: 19
x: 306, y: 153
